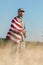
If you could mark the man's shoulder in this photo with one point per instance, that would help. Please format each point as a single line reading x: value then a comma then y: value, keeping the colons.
x: 16, y: 18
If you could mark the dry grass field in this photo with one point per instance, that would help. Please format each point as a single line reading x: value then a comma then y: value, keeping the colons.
x: 33, y: 54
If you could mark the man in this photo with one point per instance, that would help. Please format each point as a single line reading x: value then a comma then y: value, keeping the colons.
x: 17, y: 31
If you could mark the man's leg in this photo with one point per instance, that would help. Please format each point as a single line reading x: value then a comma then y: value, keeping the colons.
x: 15, y: 48
x: 22, y: 45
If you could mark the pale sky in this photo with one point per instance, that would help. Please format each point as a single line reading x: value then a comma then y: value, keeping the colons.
x: 33, y: 17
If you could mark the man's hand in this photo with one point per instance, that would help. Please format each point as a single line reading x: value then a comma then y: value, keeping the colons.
x: 25, y: 33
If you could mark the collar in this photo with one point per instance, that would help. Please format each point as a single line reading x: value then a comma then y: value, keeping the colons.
x: 20, y: 17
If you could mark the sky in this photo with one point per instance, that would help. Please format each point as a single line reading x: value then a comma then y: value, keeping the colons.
x: 33, y: 17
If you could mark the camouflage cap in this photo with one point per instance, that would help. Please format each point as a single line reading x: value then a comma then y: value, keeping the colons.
x: 21, y: 9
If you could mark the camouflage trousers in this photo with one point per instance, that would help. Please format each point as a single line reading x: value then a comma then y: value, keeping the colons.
x: 18, y: 48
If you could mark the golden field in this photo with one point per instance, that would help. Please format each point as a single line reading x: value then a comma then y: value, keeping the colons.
x: 33, y: 54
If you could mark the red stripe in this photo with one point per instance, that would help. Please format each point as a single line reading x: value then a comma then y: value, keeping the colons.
x: 12, y: 21
x: 17, y: 24
x: 16, y: 28
x: 16, y: 19
x: 13, y: 35
x: 7, y: 37
x: 15, y: 32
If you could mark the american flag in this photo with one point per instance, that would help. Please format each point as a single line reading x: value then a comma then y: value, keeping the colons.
x: 15, y: 31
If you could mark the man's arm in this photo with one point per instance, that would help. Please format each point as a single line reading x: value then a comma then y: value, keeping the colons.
x: 25, y: 32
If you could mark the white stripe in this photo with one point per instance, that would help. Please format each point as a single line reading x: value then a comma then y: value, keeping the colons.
x: 17, y: 35
x: 13, y: 38
x: 17, y: 26
x: 14, y: 29
x: 17, y: 22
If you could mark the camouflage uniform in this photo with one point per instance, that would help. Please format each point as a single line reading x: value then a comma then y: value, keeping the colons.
x: 22, y: 42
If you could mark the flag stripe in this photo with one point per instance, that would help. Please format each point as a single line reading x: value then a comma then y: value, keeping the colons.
x: 16, y: 28
x: 14, y: 35
x: 14, y: 31
x: 16, y: 19
x: 17, y: 23
x: 10, y: 37
x: 7, y: 37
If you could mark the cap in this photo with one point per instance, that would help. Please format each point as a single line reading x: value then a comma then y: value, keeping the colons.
x: 21, y: 9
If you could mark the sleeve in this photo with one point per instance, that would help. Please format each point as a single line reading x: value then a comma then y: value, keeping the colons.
x: 24, y: 26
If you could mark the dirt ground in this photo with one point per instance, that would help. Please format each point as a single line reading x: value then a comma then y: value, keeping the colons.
x: 33, y: 54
